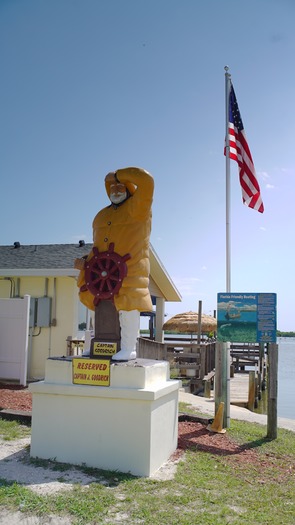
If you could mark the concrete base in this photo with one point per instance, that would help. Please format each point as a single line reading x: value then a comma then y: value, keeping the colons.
x: 130, y: 426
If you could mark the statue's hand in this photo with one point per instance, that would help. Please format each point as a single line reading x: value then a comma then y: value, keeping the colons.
x: 110, y: 177
x: 79, y: 264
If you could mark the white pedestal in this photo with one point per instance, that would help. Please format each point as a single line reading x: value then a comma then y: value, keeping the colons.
x: 130, y: 426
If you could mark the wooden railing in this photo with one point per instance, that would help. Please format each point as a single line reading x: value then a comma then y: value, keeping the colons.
x: 247, y: 354
x: 188, y: 360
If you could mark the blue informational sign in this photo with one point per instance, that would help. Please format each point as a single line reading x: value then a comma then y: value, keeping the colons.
x: 247, y: 317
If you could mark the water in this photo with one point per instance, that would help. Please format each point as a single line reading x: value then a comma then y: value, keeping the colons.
x: 286, y: 374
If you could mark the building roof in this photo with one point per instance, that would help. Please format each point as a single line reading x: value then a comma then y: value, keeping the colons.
x: 55, y: 260
x: 42, y: 256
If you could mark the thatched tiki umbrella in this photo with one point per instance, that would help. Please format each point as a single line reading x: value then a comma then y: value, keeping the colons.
x: 188, y: 322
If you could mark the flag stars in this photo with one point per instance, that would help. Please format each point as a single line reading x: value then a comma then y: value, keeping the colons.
x: 235, y: 116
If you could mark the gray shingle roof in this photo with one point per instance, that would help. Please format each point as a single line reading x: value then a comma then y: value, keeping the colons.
x: 47, y: 256
x: 58, y: 260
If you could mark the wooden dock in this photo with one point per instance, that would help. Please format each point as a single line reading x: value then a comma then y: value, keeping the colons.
x: 239, y: 390
x: 249, y: 364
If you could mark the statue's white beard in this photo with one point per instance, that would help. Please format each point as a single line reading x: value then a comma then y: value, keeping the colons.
x: 116, y: 198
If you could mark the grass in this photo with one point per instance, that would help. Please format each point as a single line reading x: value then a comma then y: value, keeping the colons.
x: 10, y: 430
x: 207, y: 489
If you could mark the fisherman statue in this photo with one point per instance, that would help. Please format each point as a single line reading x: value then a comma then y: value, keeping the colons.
x: 117, y: 269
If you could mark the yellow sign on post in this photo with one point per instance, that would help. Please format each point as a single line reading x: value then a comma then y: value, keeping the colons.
x: 102, y: 348
x: 95, y: 372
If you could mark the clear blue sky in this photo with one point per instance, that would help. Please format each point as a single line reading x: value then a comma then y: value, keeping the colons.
x: 90, y: 86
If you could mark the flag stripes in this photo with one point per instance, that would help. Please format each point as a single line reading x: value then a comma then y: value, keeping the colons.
x: 240, y: 152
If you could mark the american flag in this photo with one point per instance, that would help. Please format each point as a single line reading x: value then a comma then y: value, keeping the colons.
x: 240, y: 152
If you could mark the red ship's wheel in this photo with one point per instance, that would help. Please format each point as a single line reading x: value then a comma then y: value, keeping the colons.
x: 104, y: 274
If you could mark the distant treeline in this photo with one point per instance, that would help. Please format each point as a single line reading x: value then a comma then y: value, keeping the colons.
x: 285, y: 334
x: 82, y: 326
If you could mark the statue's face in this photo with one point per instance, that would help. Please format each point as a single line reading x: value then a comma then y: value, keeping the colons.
x: 118, y: 193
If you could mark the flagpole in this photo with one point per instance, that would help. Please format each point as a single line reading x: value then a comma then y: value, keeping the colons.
x: 228, y: 195
x: 226, y: 353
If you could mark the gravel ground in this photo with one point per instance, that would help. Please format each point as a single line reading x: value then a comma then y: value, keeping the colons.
x: 17, y: 518
x: 15, y: 466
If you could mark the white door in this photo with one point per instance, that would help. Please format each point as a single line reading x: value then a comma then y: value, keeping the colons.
x: 14, y: 332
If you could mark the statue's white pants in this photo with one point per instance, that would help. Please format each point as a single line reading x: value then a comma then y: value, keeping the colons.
x: 129, y: 324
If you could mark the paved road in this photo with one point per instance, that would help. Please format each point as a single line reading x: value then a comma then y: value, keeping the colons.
x: 207, y: 406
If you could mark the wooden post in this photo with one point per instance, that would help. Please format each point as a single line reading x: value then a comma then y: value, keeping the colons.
x: 252, y: 391
x: 262, y: 367
x: 199, y: 322
x: 207, y: 389
x: 203, y: 370
x: 107, y: 325
x: 259, y: 385
x: 261, y: 358
x: 272, y: 412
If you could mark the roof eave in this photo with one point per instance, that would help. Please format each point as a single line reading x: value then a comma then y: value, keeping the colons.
x: 39, y: 272
x: 162, y: 278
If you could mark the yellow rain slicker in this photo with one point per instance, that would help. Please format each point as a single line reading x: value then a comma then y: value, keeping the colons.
x: 128, y: 226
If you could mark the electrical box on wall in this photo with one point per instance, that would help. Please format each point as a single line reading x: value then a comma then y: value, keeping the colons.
x: 43, y: 311
x: 40, y: 312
